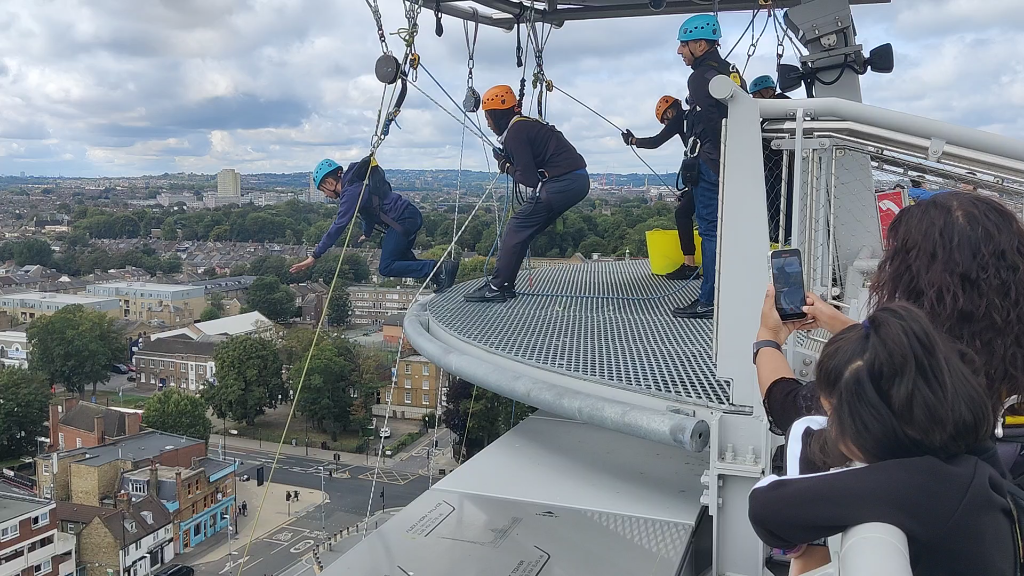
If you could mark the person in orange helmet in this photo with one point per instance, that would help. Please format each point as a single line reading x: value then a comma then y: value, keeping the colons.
x: 670, y: 113
x: 537, y: 156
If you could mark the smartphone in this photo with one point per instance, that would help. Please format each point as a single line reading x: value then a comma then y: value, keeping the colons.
x: 788, y: 278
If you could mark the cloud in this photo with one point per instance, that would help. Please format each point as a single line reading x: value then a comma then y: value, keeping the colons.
x: 106, y: 87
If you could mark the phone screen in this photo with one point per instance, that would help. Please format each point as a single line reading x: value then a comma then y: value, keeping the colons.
x: 788, y: 279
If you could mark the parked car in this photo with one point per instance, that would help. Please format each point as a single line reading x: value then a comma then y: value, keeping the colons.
x: 175, y: 570
x: 385, y: 432
x: 119, y: 369
x: 130, y: 367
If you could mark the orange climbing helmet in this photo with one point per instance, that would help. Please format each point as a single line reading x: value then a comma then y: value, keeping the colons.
x: 500, y: 97
x: 664, y: 103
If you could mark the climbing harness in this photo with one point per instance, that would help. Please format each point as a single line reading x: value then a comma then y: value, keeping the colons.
x: 472, y: 101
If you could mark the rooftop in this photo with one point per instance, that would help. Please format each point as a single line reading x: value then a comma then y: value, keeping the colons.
x: 229, y: 325
x: 58, y: 298
x: 14, y: 505
x: 178, y: 345
x: 83, y: 417
x: 135, y: 448
x: 146, y: 285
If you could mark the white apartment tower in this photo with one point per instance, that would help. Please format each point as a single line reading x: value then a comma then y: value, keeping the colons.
x: 229, y: 183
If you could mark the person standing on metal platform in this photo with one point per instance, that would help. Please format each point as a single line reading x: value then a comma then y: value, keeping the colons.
x: 764, y: 88
x: 400, y: 219
x: 698, y: 45
x: 537, y: 156
x: 670, y: 113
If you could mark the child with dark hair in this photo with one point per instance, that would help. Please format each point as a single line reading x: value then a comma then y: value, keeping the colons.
x: 905, y: 409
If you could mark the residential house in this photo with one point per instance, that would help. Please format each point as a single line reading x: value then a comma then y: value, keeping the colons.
x: 75, y: 424
x: 252, y: 323
x: 14, y: 348
x: 175, y: 304
x: 233, y: 288
x: 28, y: 306
x: 178, y: 362
x: 89, y: 475
x: 136, y: 536
x: 372, y: 304
x: 30, y: 544
x: 417, y: 389
x: 200, y: 497
x: 310, y: 297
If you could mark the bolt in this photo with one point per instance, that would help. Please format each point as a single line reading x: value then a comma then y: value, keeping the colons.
x: 804, y: 373
x: 751, y: 457
x: 807, y: 361
x: 705, y: 498
x: 730, y: 455
x: 705, y: 478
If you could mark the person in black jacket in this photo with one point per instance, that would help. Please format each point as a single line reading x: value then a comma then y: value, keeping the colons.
x: 669, y: 112
x: 698, y: 46
x: 902, y: 405
x: 537, y: 156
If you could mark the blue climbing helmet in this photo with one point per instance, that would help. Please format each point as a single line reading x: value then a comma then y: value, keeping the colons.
x: 760, y: 83
x: 700, y: 27
x: 325, y: 167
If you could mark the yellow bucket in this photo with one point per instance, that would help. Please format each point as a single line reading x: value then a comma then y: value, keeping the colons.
x: 664, y: 252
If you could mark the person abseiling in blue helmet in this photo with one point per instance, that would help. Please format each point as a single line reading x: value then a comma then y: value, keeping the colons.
x: 537, y: 156
x: 698, y: 45
x: 670, y: 113
x: 380, y: 206
x: 763, y: 88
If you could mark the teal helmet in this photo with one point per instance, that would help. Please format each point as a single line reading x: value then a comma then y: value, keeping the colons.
x: 760, y: 83
x: 700, y: 27
x: 325, y: 167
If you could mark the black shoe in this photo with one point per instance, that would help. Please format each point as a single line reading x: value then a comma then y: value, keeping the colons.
x: 445, y: 276
x: 684, y: 272
x: 486, y: 293
x: 695, y: 310
x: 510, y: 292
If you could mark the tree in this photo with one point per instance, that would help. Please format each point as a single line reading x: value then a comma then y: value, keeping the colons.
x: 32, y: 251
x: 325, y: 399
x: 209, y: 313
x: 178, y: 412
x: 24, y: 407
x: 248, y: 379
x: 492, y: 416
x: 339, y: 309
x: 372, y: 371
x: 217, y: 301
x: 272, y: 299
x: 75, y: 347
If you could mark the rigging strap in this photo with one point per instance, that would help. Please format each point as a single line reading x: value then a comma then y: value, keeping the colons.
x: 438, y: 27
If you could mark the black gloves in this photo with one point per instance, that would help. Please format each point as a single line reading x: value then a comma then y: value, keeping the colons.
x: 628, y: 138
x: 504, y: 162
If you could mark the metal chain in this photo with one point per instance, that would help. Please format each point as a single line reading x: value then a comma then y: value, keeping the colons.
x: 471, y: 45
x: 375, y: 10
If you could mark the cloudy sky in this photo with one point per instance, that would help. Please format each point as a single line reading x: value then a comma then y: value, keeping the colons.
x: 108, y: 87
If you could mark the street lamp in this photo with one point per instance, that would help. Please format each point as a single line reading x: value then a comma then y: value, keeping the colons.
x: 323, y: 502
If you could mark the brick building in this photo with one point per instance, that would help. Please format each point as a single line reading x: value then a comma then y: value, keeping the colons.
x: 175, y: 304
x: 135, y: 537
x: 200, y: 497
x: 416, y: 389
x: 177, y: 362
x: 91, y: 475
x: 84, y: 424
x: 30, y: 544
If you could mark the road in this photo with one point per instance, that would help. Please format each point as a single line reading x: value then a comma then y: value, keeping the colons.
x: 348, y: 494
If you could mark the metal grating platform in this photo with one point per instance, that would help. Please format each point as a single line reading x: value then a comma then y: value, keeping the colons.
x: 596, y: 333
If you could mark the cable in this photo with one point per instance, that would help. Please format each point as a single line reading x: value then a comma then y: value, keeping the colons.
x: 479, y: 131
x: 401, y: 343
x: 740, y: 38
x: 601, y: 116
x: 472, y: 401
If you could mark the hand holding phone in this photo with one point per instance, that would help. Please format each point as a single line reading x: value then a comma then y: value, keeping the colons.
x: 788, y: 279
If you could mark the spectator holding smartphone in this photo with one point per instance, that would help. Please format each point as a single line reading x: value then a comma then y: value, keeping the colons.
x: 905, y: 410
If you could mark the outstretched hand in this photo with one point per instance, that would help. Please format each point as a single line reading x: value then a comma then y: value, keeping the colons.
x: 299, y: 267
x: 628, y: 138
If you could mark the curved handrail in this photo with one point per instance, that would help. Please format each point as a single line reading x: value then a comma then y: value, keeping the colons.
x: 869, y: 550
x: 663, y: 427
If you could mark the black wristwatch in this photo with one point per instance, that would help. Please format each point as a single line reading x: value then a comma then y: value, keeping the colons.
x: 765, y: 344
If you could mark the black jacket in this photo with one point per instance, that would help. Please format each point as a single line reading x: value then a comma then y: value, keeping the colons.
x: 955, y: 512
x: 707, y: 112
x: 533, y: 145
x: 675, y: 127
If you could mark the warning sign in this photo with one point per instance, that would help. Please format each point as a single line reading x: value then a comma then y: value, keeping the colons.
x: 889, y: 204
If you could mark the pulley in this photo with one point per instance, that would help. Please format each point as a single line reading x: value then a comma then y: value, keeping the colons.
x: 387, y: 68
x: 471, y: 103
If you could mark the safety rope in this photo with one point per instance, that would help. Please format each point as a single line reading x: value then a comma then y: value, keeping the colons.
x: 796, y: 45
x: 377, y: 140
x: 476, y: 131
x: 469, y: 419
x: 601, y: 116
x: 401, y: 343
x: 739, y: 38
x: 752, y: 49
